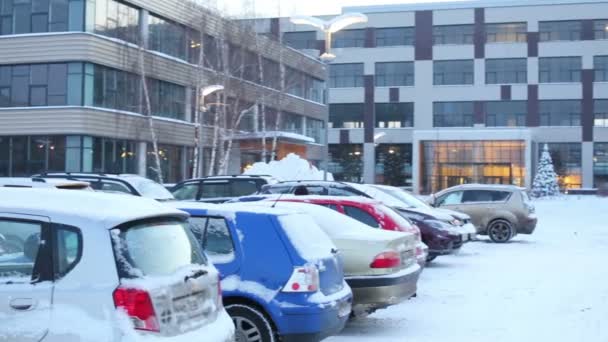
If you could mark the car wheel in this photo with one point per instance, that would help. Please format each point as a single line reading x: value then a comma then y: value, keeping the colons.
x: 251, y: 324
x: 501, y: 231
x: 431, y: 257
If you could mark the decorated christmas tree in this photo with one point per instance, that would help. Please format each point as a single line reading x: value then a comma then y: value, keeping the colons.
x: 545, y: 183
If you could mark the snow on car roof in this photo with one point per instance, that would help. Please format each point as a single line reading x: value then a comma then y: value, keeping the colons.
x: 228, y: 209
x: 77, y: 206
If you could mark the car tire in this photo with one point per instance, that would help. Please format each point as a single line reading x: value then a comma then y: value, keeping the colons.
x: 501, y: 231
x: 252, y: 320
x: 431, y: 257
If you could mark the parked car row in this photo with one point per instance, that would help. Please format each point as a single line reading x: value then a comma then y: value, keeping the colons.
x: 235, y: 257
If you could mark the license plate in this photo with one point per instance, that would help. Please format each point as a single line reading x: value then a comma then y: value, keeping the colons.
x: 345, y: 309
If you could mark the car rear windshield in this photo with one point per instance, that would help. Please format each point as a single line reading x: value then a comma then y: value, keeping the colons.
x: 150, y: 189
x: 155, y: 248
x: 307, y: 237
x: 395, y: 216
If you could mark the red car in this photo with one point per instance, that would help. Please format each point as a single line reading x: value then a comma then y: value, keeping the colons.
x: 369, y: 212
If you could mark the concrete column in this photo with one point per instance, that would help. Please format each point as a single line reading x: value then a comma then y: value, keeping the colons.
x: 416, y: 165
x: 185, y: 163
x: 303, y: 132
x: 143, y: 24
x: 189, y: 93
x: 142, y: 152
x: 587, y: 164
x: 369, y: 163
x: 530, y: 152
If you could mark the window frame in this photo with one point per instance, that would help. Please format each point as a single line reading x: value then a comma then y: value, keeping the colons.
x: 387, y: 74
x: 449, y: 69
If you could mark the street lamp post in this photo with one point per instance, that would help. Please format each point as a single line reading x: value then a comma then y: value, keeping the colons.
x: 197, y: 171
x: 329, y: 27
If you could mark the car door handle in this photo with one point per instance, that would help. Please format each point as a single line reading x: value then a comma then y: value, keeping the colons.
x: 22, y: 304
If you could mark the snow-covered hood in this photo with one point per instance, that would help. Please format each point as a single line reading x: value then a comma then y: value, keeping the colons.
x: 453, y: 213
x: 432, y: 213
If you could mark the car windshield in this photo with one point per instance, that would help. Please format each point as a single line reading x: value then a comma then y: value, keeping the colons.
x: 155, y: 248
x: 410, y: 200
x: 150, y: 189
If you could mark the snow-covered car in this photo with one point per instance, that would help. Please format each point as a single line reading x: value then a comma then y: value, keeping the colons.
x: 379, y: 265
x: 34, y: 182
x: 86, y: 267
x: 282, y: 276
x: 219, y: 189
x: 117, y: 183
x: 499, y: 211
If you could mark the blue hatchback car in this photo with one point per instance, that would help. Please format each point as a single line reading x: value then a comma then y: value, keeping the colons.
x: 281, y: 275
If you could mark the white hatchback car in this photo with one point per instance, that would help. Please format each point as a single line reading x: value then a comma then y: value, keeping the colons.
x: 78, y: 266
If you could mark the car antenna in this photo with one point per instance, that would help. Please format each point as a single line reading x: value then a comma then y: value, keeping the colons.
x: 277, y: 200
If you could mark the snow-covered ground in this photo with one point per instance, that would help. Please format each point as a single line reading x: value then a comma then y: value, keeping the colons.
x: 551, y: 286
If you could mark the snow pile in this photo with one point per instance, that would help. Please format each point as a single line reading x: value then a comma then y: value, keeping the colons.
x: 290, y: 168
x: 545, y: 183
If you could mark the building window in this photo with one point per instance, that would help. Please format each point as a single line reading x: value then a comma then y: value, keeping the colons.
x: 213, y: 53
x: 315, y: 129
x: 601, y: 113
x: 24, y: 156
x: 453, y: 34
x: 460, y: 72
x: 567, y: 161
x: 117, y: 89
x: 600, y: 164
x: 600, y: 64
x: 394, y: 164
x: 507, y: 33
x: 600, y: 28
x: 560, y: 69
x: 449, y: 163
x: 291, y: 122
x: 506, y: 113
x: 506, y: 71
x: 394, y: 115
x: 346, y: 162
x: 348, y: 38
x: 171, y: 163
x: 302, y: 85
x: 41, y: 85
x: 167, y: 99
x: 560, y: 113
x: 346, y: 115
x: 271, y: 72
x: 301, y: 40
x: 167, y: 37
x: 394, y: 36
x: 346, y: 75
x: 394, y: 74
x: 453, y: 114
x: 116, y: 19
x: 560, y: 30
x: 38, y: 16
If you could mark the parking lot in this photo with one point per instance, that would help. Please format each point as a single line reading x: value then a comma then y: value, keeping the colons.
x: 551, y: 286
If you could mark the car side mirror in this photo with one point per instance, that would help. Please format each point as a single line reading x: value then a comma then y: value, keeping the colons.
x: 431, y: 201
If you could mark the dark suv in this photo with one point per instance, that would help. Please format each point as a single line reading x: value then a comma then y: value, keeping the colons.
x: 320, y: 188
x: 219, y: 189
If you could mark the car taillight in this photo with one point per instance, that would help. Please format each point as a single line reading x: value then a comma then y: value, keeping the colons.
x: 386, y: 260
x: 303, y: 279
x: 138, y: 306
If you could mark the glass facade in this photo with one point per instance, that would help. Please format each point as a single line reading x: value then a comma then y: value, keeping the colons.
x: 567, y: 161
x: 315, y: 129
x: 167, y: 99
x: 395, y: 36
x: 560, y: 113
x: 459, y: 72
x: 453, y: 34
x: 291, y: 123
x: 346, y: 75
x: 507, y: 71
x: 394, y: 115
x: 560, y: 69
x: 167, y: 37
x: 38, y: 16
x: 506, y: 113
x: 302, y: 85
x: 346, y: 162
x: 600, y: 65
x: 560, y: 30
x: 394, y: 164
x: 171, y: 162
x: 394, y: 74
x: 116, y: 89
x: 601, y: 113
x: 348, y: 39
x: 450, y: 163
x: 507, y: 33
x: 301, y: 40
x: 600, y: 29
x: 114, y: 19
x: 346, y: 115
x: 453, y: 114
x: 600, y: 164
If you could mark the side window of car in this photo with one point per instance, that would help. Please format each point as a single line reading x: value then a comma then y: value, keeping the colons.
x: 243, y: 187
x: 500, y: 196
x: 316, y: 190
x: 341, y: 191
x: 215, y: 189
x: 68, y: 250
x: 452, y: 198
x: 332, y: 207
x: 109, y: 186
x: 19, y: 248
x: 186, y: 192
x: 361, y: 216
x: 477, y: 196
x: 218, y: 241
x: 197, y: 226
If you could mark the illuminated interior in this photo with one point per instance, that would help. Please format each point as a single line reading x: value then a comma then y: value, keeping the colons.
x: 450, y: 163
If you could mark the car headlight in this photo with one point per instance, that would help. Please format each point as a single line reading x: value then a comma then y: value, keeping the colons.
x: 456, y: 222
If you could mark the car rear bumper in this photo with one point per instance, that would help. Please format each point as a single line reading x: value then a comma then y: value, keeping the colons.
x: 528, y: 226
x: 377, y: 292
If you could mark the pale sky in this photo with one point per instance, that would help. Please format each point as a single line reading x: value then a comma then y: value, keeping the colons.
x: 271, y: 8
